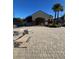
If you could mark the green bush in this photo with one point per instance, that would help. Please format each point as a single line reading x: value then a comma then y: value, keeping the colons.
x: 55, y: 25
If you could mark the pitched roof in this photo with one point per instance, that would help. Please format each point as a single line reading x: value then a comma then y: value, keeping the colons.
x: 41, y: 12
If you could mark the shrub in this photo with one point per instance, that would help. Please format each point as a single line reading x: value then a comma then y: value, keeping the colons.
x: 55, y: 25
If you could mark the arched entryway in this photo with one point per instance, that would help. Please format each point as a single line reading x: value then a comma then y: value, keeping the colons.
x: 39, y: 21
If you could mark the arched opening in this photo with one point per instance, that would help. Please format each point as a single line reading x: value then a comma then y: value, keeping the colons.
x: 39, y: 21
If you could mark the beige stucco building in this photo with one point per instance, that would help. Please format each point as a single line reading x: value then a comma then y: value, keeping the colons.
x: 41, y: 18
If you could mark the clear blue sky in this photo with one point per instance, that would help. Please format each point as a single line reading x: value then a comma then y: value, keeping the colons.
x: 24, y: 8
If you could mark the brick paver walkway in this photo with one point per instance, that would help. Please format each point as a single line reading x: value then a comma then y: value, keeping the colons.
x: 44, y: 43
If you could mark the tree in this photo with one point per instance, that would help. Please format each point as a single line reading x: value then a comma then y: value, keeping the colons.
x: 18, y: 21
x: 57, y: 8
x: 28, y: 19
